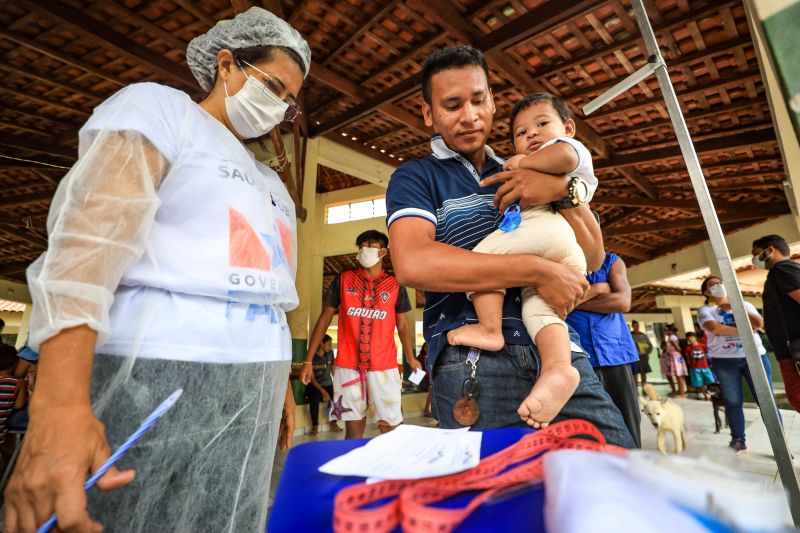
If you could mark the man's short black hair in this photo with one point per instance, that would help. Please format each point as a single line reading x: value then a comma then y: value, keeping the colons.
x: 634, y: 323
x: 776, y: 241
x: 459, y: 56
x: 691, y: 334
x: 8, y: 359
x: 373, y: 235
x: 327, y: 338
x: 559, y: 105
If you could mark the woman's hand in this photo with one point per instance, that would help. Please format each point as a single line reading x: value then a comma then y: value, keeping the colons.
x: 63, y: 445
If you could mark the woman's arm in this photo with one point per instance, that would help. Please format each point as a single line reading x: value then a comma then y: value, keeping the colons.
x: 716, y: 328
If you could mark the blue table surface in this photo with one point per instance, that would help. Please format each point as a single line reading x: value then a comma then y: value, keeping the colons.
x: 304, y: 499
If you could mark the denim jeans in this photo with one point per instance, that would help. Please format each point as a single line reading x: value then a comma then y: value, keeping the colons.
x: 506, y: 378
x: 730, y: 372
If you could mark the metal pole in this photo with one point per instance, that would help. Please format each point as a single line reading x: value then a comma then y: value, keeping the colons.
x: 769, y: 410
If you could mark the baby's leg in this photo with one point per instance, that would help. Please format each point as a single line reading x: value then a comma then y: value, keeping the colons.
x: 557, y: 381
x: 487, y: 334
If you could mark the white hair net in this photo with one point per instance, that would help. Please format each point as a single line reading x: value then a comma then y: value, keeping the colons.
x: 254, y: 27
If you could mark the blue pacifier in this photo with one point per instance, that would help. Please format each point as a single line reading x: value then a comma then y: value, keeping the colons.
x: 511, y: 218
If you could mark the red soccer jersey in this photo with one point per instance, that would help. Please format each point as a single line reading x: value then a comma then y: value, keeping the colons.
x: 696, y: 356
x: 368, y: 310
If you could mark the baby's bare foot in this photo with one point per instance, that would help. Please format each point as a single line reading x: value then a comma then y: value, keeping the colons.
x: 550, y: 393
x: 476, y: 336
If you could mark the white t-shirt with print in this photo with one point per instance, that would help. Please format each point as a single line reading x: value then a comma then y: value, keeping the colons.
x: 218, y: 274
x: 725, y: 346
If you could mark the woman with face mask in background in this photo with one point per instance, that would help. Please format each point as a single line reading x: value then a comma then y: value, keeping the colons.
x: 170, y: 264
x: 727, y: 354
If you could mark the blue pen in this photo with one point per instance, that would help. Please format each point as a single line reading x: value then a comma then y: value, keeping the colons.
x: 159, y: 411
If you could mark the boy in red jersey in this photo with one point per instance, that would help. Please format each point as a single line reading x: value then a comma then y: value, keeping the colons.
x: 371, y: 304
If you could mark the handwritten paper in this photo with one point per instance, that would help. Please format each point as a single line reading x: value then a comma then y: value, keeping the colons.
x: 410, y: 452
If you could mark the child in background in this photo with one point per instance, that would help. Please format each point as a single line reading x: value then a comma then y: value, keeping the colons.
x: 676, y: 365
x: 699, y: 371
x: 12, y: 396
x: 542, y: 132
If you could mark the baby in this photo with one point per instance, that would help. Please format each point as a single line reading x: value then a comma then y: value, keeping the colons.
x: 542, y: 133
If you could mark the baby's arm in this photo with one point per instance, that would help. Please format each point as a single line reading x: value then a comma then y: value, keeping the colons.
x: 556, y: 158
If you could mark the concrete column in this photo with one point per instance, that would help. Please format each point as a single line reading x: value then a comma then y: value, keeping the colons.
x: 682, y: 317
x: 306, y: 234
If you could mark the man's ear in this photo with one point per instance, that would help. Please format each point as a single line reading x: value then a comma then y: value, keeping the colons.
x: 427, y: 114
x: 569, y: 128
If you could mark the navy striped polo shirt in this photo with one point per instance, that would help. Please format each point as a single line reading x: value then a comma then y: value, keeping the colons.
x: 444, y: 189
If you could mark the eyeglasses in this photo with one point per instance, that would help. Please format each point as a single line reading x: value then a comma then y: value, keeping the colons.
x: 293, y: 111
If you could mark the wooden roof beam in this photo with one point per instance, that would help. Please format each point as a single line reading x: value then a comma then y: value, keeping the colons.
x: 23, y: 199
x: 659, y: 203
x: 649, y: 155
x: 353, y: 90
x: 39, y: 147
x: 60, y: 56
x: 630, y: 251
x: 121, y: 44
x: 736, y: 78
x: 697, y: 222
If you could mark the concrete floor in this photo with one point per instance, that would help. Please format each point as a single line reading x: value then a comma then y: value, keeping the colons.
x: 700, y: 438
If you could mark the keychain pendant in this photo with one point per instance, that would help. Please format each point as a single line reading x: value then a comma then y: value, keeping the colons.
x: 466, y: 411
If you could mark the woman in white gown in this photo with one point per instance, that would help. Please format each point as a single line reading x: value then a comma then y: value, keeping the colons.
x: 170, y: 264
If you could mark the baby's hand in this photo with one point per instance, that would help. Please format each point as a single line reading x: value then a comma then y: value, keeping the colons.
x: 512, y: 163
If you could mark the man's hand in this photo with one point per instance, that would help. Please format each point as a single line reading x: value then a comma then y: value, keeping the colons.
x: 305, y: 373
x: 64, y: 443
x: 287, y: 419
x: 414, y: 363
x: 563, y: 289
x: 325, y: 396
x: 526, y: 187
x: 595, y: 290
x: 512, y: 163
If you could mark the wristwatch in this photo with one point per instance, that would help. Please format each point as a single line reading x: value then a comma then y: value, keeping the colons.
x: 577, y: 194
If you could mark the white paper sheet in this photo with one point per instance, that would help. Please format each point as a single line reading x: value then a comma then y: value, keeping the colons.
x: 410, y: 452
x: 416, y: 376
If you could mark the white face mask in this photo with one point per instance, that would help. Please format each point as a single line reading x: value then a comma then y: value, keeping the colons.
x: 718, y: 291
x: 368, y: 257
x: 255, y: 110
x: 758, y: 263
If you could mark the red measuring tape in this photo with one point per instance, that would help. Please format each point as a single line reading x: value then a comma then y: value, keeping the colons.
x: 411, y: 501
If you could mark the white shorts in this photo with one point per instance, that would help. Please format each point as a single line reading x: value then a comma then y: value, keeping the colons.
x: 382, y: 389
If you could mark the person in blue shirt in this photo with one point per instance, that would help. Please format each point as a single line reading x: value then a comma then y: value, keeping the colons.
x: 438, y: 208
x: 605, y: 337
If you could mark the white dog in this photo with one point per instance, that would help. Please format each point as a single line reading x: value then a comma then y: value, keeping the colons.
x: 666, y: 416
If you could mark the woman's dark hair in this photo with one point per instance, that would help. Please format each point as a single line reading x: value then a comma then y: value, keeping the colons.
x: 453, y: 57
x: 255, y: 54
x: 706, y: 283
x: 327, y: 338
x: 558, y: 104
